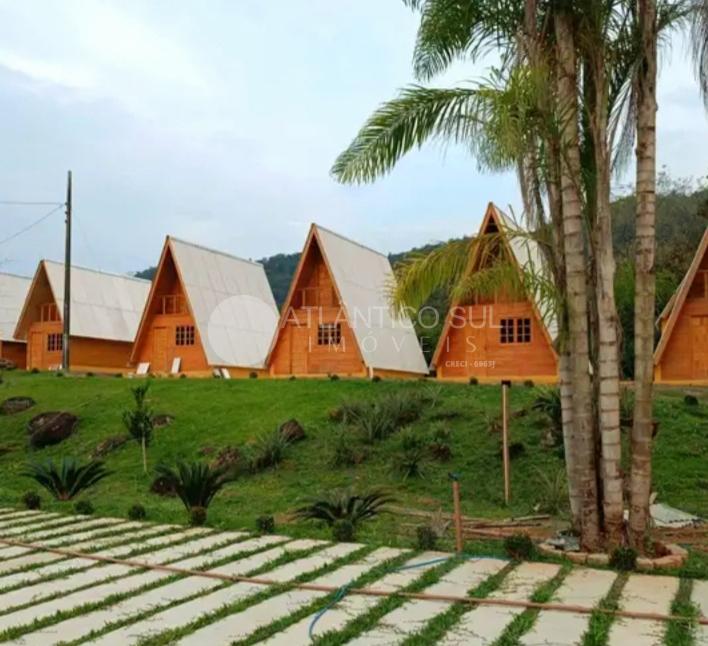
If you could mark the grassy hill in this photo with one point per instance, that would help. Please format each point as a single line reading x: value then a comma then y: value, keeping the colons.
x: 213, y: 414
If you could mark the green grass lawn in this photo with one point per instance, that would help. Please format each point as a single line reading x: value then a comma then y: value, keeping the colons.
x: 217, y: 413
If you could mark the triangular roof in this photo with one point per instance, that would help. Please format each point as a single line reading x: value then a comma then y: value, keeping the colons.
x: 103, y: 305
x: 527, y: 254
x: 13, y: 291
x: 673, y: 308
x: 229, y: 299
x: 362, y: 278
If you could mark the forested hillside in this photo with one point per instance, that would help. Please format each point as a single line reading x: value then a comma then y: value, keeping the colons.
x: 682, y: 216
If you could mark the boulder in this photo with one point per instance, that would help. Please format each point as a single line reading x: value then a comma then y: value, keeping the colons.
x: 162, y: 420
x: 227, y: 458
x: 163, y: 487
x: 51, y: 428
x: 291, y: 431
x: 109, y: 445
x: 16, y: 405
x: 6, y: 364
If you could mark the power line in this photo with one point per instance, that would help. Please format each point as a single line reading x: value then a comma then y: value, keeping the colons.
x: 33, y: 224
x: 23, y: 203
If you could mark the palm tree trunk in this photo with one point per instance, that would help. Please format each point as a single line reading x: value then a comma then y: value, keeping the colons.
x: 577, y: 303
x: 608, y: 412
x: 145, y: 460
x: 645, y: 285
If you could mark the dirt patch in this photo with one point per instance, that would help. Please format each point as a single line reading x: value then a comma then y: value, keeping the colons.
x: 292, y: 431
x: 16, y: 405
x: 162, y: 420
x: 109, y: 445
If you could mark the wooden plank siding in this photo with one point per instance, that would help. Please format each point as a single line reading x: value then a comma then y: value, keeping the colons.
x: 15, y: 351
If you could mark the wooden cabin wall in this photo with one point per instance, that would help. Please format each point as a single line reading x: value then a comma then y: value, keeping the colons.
x: 473, y: 347
x: 315, y: 302
x: 14, y: 351
x: 157, y: 344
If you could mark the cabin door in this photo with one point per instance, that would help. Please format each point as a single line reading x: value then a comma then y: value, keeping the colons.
x: 299, y: 349
x: 159, y: 350
x: 699, y: 345
x: 36, y: 346
x: 476, y: 347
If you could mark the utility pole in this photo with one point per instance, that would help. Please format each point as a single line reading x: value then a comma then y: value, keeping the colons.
x: 67, y: 280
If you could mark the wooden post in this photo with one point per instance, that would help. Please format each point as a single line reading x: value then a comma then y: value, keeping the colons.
x: 65, y: 355
x: 457, y: 513
x: 505, y: 439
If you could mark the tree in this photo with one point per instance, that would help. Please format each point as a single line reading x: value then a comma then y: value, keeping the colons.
x: 139, y: 420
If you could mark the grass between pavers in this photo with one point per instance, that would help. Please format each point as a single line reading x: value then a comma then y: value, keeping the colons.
x: 682, y: 633
x: 18, y: 631
x: 600, y: 622
x: 371, y: 617
x: 439, y: 625
x: 172, y: 636
x: 523, y: 622
x: 367, y: 579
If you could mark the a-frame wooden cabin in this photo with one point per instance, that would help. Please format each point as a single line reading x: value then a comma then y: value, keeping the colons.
x: 105, y: 310
x: 504, y: 336
x: 13, y: 292
x: 681, y: 357
x: 208, y: 313
x: 337, y: 320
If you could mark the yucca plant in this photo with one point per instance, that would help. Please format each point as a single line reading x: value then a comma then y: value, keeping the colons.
x: 68, y: 478
x: 411, y: 455
x: 345, y: 505
x: 548, y: 402
x: 196, y: 484
x: 139, y: 421
x: 266, y: 450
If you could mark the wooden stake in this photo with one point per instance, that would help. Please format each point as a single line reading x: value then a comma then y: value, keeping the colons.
x: 457, y: 515
x: 505, y: 441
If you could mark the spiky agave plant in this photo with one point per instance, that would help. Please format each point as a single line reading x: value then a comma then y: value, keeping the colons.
x: 196, y: 484
x: 345, y: 505
x: 68, y: 478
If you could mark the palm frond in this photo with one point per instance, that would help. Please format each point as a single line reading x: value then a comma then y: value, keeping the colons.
x: 699, y: 44
x: 343, y: 504
x: 196, y: 483
x: 68, y: 478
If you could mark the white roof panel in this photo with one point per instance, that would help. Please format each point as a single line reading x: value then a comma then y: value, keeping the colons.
x: 363, y: 278
x: 232, y: 304
x: 13, y: 291
x: 103, y: 306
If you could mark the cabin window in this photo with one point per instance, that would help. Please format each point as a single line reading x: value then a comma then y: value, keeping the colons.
x: 55, y: 343
x: 172, y: 304
x: 49, y: 312
x: 329, y: 334
x: 506, y: 331
x: 523, y: 330
x: 184, y: 335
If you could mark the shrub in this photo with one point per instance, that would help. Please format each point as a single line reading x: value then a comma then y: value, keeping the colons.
x: 137, y: 512
x: 440, y: 441
x: 253, y: 375
x: 343, y: 530
x: 376, y: 379
x: 183, y: 376
x: 375, y: 422
x: 67, y: 479
x: 548, y: 402
x: 58, y: 373
x: 265, y: 524
x: 426, y: 537
x: 83, y: 507
x: 197, y: 516
x: 31, y: 500
x: 690, y: 400
x: 528, y: 383
x: 344, y: 451
x: 519, y: 547
x: 343, y: 504
x: 553, y: 491
x: 623, y: 559
x: 118, y: 375
x: 139, y: 421
x: 196, y: 484
x: 474, y: 381
x: 292, y: 378
x: 411, y: 455
x: 89, y: 374
x: 266, y: 450
x: 333, y: 377
x: 35, y: 371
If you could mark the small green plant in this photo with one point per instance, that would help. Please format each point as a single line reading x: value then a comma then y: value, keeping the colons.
x: 626, y: 402
x: 265, y: 524
x: 426, y: 537
x: 118, y: 375
x: 139, y: 421
x: 196, y: 484
x: 519, y: 547
x: 333, y: 377
x: 344, y: 452
x: 548, y: 402
x: 376, y: 379
x: 440, y: 436
x: 183, y: 376
x: 474, y: 381
x: 292, y: 378
x: 90, y: 374
x: 137, y: 512
x: 624, y: 559
x: 410, y: 456
x: 84, y: 508
x: 553, y: 491
x: 35, y: 371
x: 68, y: 478
x: 253, y: 375
x: 343, y: 531
x: 345, y: 505
x: 58, y: 373
x: 528, y: 383
x: 690, y: 400
x: 266, y: 450
x: 31, y: 500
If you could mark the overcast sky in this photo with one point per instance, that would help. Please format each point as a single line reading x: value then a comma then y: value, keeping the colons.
x: 218, y: 122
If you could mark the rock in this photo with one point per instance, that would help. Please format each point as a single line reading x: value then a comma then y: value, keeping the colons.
x: 162, y: 420
x: 6, y: 364
x: 291, y: 431
x: 47, y: 429
x: 227, y: 458
x: 16, y: 405
x: 579, y: 558
x: 676, y: 550
x: 548, y: 550
x: 597, y: 558
x: 644, y: 564
x: 163, y: 487
x: 671, y: 561
x: 109, y: 445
